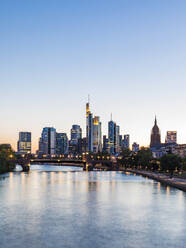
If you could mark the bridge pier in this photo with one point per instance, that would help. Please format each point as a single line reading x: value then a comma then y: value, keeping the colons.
x: 25, y: 168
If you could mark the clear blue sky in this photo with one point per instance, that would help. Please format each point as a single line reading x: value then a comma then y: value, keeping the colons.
x: 130, y: 56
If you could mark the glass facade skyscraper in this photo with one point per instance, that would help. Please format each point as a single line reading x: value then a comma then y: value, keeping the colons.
x: 61, y: 144
x: 47, y: 142
x: 112, y: 136
x: 126, y: 141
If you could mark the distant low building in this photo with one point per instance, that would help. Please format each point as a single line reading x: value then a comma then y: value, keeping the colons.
x: 180, y: 150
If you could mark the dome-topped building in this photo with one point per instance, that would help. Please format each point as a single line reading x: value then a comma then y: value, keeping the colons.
x: 155, y: 135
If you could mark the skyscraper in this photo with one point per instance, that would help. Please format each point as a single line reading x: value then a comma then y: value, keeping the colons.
x: 155, y: 136
x: 89, y: 129
x: 97, y: 143
x: 105, y: 144
x: 117, y: 139
x: 24, y: 143
x: 126, y: 141
x: 75, y: 143
x: 171, y: 137
x: 47, y: 142
x: 111, y: 136
x: 76, y: 134
x: 61, y: 143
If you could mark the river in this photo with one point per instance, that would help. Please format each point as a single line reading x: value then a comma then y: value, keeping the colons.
x: 65, y: 207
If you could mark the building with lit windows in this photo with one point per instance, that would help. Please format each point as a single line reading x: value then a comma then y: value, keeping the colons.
x: 171, y: 137
x: 112, y: 136
x: 24, y: 143
x: 47, y: 142
x: 97, y: 143
x: 89, y: 129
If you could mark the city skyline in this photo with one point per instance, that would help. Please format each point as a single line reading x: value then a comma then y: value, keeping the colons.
x: 54, y: 54
x: 35, y: 140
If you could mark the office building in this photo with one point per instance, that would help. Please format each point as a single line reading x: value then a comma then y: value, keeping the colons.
x: 126, y: 141
x: 112, y: 136
x: 47, y: 142
x: 171, y: 137
x: 24, y: 143
x: 61, y: 144
x: 89, y: 129
x: 97, y: 142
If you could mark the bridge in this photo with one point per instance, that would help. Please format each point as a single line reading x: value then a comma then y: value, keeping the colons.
x: 86, y: 164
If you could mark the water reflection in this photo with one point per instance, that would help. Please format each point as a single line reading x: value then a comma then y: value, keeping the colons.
x: 71, y: 208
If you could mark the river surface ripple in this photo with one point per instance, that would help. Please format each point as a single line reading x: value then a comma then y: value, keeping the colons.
x: 55, y: 206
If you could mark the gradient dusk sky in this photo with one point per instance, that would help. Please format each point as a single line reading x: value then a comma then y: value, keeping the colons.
x: 130, y: 56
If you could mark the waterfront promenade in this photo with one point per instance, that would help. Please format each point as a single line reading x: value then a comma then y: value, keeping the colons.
x: 174, y: 181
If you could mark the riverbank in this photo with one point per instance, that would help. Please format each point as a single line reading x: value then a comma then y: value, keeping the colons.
x: 173, y: 182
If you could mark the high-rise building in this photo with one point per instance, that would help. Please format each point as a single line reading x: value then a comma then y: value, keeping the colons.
x: 120, y: 141
x: 126, y: 141
x: 61, y: 143
x: 97, y: 143
x: 171, y: 137
x: 47, y: 142
x: 135, y: 147
x: 105, y: 144
x: 117, y: 140
x: 155, y: 136
x: 76, y: 134
x: 24, y: 143
x: 89, y: 129
x: 112, y: 136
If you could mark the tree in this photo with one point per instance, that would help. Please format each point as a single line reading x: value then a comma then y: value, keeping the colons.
x: 144, y: 158
x: 170, y: 162
x: 7, y: 157
x: 124, y: 159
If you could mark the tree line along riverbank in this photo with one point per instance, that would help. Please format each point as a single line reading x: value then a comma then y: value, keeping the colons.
x: 7, y: 157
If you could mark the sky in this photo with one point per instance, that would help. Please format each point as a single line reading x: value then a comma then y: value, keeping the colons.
x: 128, y: 55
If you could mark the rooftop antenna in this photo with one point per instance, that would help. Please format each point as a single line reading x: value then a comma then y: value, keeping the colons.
x: 111, y: 117
x: 88, y: 98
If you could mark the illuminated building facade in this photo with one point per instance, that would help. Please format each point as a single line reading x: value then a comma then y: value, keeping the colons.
x: 89, y: 129
x: 97, y: 144
x: 24, y: 143
x: 112, y: 136
x: 171, y: 137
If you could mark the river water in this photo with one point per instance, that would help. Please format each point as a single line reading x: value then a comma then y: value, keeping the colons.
x: 65, y: 207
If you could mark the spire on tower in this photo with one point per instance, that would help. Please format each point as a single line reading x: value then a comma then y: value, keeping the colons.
x: 155, y: 122
x: 111, y: 116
